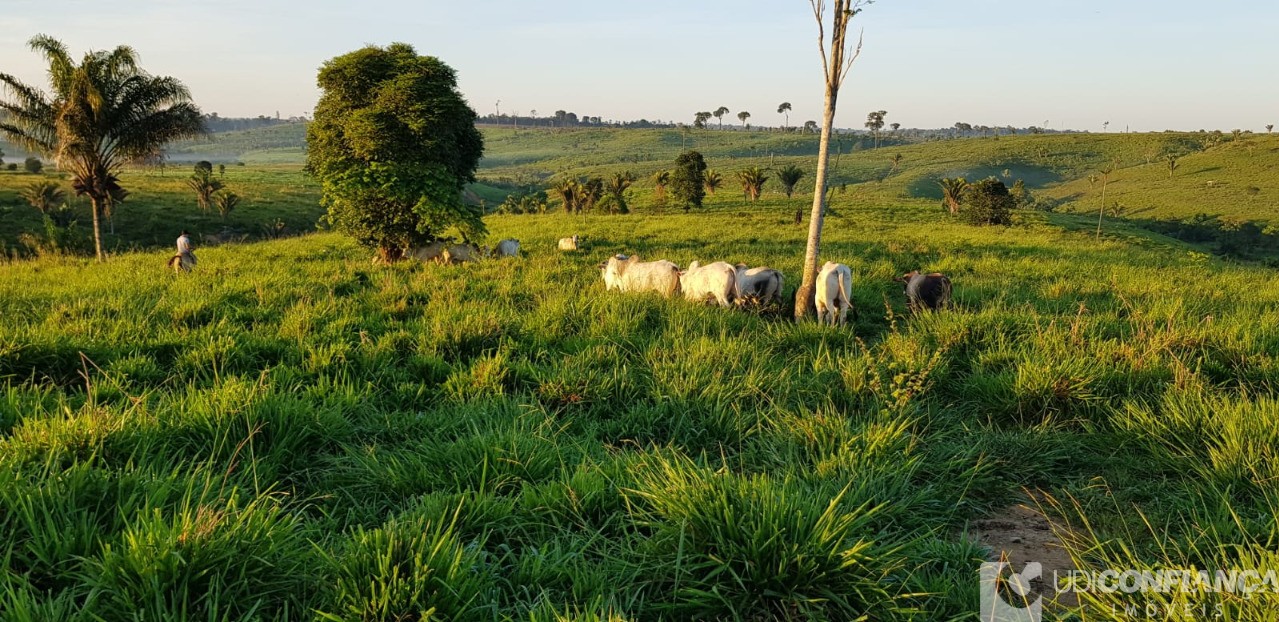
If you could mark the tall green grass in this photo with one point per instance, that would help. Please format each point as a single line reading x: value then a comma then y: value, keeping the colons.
x: 290, y: 432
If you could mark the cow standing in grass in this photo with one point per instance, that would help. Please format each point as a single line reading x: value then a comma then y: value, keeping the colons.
x: 507, y: 248
x: 717, y: 281
x: 760, y: 286
x: 569, y: 244
x: 834, y: 282
x: 627, y: 274
x: 925, y: 291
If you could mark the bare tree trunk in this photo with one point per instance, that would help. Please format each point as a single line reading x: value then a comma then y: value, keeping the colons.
x: 97, y: 228
x: 1101, y: 213
x: 804, y: 305
x: 835, y: 67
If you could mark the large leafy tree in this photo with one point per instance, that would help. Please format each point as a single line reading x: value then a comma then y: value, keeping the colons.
x: 393, y: 144
x: 98, y: 115
x: 688, y: 180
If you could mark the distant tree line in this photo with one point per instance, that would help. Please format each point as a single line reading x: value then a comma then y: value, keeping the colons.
x: 216, y: 123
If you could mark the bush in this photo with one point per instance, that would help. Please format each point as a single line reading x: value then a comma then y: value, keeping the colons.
x: 12, y: 166
x: 987, y: 202
x: 33, y: 165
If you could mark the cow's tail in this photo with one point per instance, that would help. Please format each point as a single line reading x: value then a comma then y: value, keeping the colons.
x: 844, y: 287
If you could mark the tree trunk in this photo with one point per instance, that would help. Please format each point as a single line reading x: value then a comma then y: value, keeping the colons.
x: 804, y: 305
x: 97, y: 228
x: 1101, y: 213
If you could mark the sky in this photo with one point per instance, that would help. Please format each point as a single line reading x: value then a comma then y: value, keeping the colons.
x: 1143, y: 65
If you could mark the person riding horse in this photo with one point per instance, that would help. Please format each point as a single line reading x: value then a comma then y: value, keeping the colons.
x: 184, y: 260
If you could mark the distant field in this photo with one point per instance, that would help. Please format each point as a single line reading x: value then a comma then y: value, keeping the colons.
x: 1229, y: 182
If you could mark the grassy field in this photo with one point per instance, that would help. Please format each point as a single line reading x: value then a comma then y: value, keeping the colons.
x: 292, y: 433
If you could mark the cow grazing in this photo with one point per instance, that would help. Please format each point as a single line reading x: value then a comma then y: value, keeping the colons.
x: 627, y: 274
x: 834, y: 282
x: 569, y: 244
x: 925, y: 291
x: 761, y: 286
x: 507, y: 248
x: 717, y: 281
x: 459, y: 253
x: 429, y: 252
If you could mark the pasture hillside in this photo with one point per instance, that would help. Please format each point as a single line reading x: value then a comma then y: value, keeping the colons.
x: 1220, y: 185
x: 290, y: 432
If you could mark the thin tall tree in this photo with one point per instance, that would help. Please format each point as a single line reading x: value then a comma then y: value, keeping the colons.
x: 835, y: 65
x: 99, y: 115
x: 1105, y: 180
x: 785, y: 109
x: 743, y: 115
x: 719, y: 115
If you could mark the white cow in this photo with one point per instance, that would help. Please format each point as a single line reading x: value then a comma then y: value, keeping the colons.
x: 507, y: 248
x: 717, y: 280
x: 627, y: 274
x: 762, y: 285
x: 833, y: 284
x: 569, y: 244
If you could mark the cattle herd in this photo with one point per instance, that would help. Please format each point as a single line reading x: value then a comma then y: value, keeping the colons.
x: 720, y: 282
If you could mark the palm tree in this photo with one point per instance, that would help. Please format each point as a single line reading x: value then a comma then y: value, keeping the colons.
x: 952, y: 192
x: 45, y: 196
x: 616, y: 188
x: 1269, y: 126
x: 102, y: 113
x: 569, y: 191
x: 205, y: 185
x: 789, y: 176
x: 753, y: 181
x: 785, y: 108
x: 700, y: 119
x: 719, y: 115
x: 743, y: 115
x: 897, y: 162
x: 226, y: 202
x: 660, y: 179
x: 712, y: 180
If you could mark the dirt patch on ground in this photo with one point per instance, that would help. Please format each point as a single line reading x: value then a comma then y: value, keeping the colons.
x: 1019, y: 534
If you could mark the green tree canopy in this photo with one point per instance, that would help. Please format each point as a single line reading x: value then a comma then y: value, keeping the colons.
x: 688, y: 180
x: 393, y: 144
x: 987, y: 202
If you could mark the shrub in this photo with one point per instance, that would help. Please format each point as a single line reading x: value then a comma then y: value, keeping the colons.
x: 987, y: 202
x: 33, y: 165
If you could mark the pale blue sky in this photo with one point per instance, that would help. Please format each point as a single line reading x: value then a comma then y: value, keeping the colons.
x: 1148, y: 64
